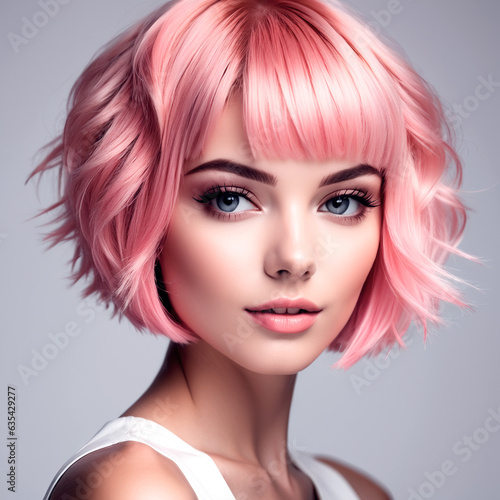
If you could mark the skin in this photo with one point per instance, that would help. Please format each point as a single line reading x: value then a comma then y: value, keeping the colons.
x: 229, y: 393
x: 281, y: 247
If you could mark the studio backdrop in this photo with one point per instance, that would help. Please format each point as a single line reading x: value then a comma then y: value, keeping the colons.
x: 425, y: 421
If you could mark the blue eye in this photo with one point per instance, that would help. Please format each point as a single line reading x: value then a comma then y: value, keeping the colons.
x: 222, y: 200
x: 349, y: 204
x: 229, y: 202
x: 342, y: 205
x: 233, y: 203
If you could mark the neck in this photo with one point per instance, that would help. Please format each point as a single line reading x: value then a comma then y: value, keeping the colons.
x: 219, y: 407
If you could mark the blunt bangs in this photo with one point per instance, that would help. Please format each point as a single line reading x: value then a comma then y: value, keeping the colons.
x: 310, y: 93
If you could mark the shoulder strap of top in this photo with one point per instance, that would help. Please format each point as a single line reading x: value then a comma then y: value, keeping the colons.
x: 330, y: 484
x: 199, y: 469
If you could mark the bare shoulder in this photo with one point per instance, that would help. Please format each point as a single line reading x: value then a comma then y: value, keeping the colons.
x: 124, y: 471
x: 366, y: 487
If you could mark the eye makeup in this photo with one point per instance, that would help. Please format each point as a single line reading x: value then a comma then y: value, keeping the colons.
x: 231, y: 203
x: 350, y: 205
x: 218, y: 197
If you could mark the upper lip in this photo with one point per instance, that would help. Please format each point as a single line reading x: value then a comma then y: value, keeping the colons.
x: 299, y: 303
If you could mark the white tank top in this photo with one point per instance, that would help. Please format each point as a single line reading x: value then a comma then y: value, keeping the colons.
x: 198, y: 467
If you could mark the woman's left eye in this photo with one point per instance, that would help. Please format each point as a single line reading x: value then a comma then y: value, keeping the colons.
x: 350, y: 204
x: 342, y: 205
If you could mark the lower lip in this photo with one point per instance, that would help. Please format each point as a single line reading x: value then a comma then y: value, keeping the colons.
x: 284, y: 323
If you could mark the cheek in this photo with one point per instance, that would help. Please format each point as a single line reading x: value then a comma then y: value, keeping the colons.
x: 202, y: 266
x: 352, y: 261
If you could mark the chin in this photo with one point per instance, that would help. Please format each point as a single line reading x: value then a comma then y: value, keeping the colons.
x: 277, y: 363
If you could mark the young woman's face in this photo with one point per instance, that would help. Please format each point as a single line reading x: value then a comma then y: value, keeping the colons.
x: 251, y: 238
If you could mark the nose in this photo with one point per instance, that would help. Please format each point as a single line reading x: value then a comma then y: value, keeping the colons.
x: 290, y: 254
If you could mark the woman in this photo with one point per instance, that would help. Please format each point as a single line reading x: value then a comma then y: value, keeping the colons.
x: 259, y: 181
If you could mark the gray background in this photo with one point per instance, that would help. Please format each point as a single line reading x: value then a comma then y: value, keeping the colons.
x: 399, y: 421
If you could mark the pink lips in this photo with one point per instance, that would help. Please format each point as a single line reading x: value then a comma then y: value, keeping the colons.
x: 287, y: 322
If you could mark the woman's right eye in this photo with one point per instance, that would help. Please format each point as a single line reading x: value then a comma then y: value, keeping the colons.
x: 224, y: 201
x: 229, y: 202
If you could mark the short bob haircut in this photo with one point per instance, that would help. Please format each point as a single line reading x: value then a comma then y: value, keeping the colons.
x: 316, y: 84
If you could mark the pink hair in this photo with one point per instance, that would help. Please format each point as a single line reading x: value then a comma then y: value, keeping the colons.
x: 316, y: 84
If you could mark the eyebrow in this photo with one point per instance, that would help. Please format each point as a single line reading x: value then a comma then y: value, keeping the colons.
x: 267, y: 178
x: 350, y: 173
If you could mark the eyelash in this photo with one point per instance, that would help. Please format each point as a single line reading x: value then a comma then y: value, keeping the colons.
x: 364, y: 198
x: 210, y: 194
x: 359, y: 195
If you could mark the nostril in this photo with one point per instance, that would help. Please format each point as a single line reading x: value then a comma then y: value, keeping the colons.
x: 288, y: 263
